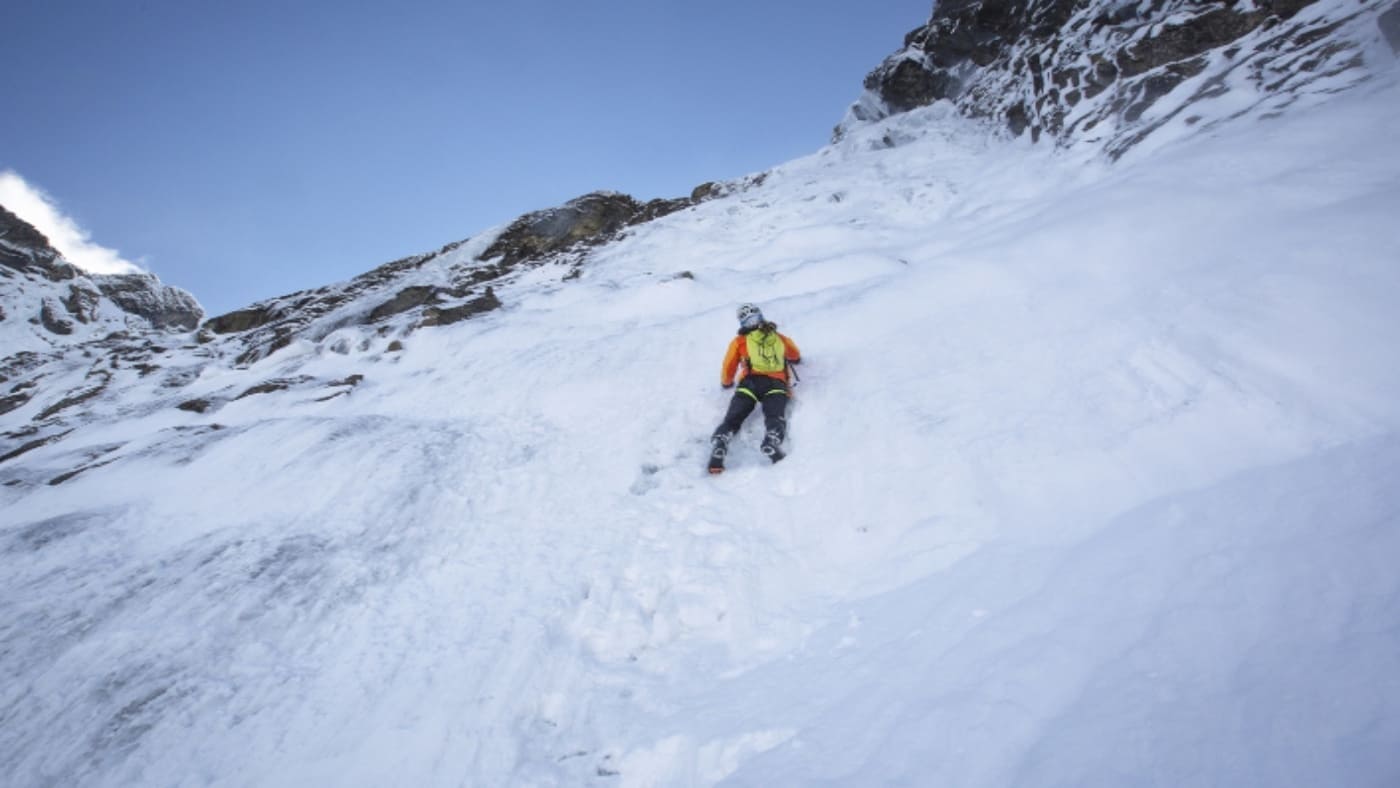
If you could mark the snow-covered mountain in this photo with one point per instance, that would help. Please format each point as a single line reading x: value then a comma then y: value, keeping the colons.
x: 1090, y: 476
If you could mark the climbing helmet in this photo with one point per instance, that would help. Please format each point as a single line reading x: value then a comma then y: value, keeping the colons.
x: 749, y: 316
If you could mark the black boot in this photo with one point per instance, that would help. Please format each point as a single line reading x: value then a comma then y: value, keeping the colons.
x: 719, y: 446
x: 772, y: 446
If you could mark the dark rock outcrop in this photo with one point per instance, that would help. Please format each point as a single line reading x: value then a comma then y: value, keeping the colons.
x: 406, y: 299
x: 433, y: 297
x: 435, y: 316
x: 655, y: 209
x: 14, y: 401
x: 242, y: 320
x: 590, y: 219
x: 51, y: 319
x: 26, y: 250
x: 21, y: 234
x: 909, y: 83
x: 276, y: 384
x: 32, y: 445
x: 21, y: 242
x: 144, y: 295
x: 195, y: 405
x: 704, y: 191
x: 82, y: 302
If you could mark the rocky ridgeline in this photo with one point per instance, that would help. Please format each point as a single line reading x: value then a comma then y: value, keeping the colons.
x: 1112, y: 73
x: 457, y: 282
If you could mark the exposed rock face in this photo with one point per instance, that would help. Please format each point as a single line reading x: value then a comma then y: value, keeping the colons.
x: 26, y: 250
x: 590, y: 219
x: 51, y: 317
x: 1088, y: 70
x: 432, y: 298
x: 70, y: 296
x: 21, y: 234
x: 476, y: 306
x: 407, y: 299
x: 241, y: 320
x: 83, y: 302
x: 164, y: 306
x: 195, y: 405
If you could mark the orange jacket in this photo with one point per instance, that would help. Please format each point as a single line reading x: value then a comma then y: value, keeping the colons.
x: 739, y: 352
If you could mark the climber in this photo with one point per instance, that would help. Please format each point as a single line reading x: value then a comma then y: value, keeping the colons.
x: 765, y: 355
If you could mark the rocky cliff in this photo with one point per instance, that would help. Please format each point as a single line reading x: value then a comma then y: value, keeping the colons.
x: 1111, y: 74
x: 39, y: 287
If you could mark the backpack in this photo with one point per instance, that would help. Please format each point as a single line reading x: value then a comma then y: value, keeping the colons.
x: 766, y: 352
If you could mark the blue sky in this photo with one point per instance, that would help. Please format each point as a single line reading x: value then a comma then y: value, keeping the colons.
x: 245, y: 150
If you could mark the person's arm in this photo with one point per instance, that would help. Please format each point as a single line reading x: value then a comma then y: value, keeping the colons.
x: 731, y: 364
x: 790, y: 351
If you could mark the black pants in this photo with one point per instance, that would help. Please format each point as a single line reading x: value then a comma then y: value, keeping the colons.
x: 756, y: 390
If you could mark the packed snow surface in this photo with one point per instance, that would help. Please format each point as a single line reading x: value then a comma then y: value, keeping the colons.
x: 1091, y: 481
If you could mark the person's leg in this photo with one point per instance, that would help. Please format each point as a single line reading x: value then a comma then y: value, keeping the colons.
x: 739, y: 409
x: 775, y: 402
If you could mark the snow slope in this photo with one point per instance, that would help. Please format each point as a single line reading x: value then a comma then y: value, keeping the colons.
x: 1090, y: 483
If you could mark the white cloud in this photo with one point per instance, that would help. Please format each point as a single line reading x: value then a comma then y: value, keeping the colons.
x: 33, y: 205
